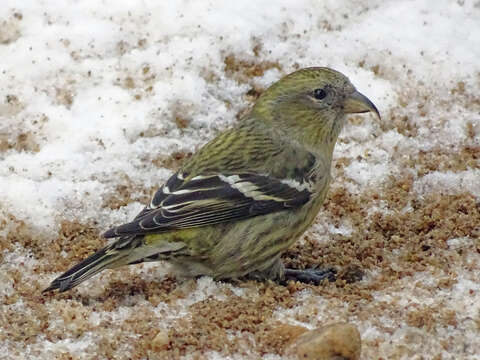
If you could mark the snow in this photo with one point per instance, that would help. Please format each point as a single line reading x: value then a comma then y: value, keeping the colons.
x: 450, y: 183
x: 90, y: 92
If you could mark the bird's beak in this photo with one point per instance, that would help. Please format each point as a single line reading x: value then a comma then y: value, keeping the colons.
x: 359, y: 103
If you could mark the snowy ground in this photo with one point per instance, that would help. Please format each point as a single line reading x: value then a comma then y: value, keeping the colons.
x: 101, y: 100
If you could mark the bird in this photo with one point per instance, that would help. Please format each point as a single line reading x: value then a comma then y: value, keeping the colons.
x: 245, y: 197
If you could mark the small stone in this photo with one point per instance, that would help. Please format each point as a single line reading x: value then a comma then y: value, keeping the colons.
x: 160, y: 341
x: 331, y: 342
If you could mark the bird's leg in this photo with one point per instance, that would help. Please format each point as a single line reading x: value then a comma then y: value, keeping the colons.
x: 315, y: 276
x: 277, y: 272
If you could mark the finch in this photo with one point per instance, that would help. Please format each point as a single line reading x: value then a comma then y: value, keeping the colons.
x: 246, y: 196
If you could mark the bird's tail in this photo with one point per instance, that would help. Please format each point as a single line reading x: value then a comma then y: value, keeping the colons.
x: 111, y: 256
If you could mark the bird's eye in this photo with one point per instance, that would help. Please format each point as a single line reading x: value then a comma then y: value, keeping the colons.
x: 319, y: 94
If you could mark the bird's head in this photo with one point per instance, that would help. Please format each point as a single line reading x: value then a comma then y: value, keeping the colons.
x: 311, y: 104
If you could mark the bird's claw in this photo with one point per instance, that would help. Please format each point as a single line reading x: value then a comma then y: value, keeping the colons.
x: 315, y: 275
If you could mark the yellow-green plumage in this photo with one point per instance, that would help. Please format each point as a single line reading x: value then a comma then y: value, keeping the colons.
x: 247, y: 195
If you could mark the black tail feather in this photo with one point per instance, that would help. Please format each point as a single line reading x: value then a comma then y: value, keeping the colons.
x: 84, y: 270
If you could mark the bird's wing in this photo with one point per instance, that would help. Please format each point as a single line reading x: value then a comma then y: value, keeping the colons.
x: 215, y: 198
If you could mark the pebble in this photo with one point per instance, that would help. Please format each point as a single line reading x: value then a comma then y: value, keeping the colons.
x: 331, y: 342
x: 160, y: 341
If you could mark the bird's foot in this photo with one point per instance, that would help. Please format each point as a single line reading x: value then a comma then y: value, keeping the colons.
x: 315, y: 276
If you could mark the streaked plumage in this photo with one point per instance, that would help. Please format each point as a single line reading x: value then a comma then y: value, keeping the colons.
x: 246, y: 196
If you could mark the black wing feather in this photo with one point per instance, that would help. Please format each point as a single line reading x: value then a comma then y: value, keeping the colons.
x: 209, y: 200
